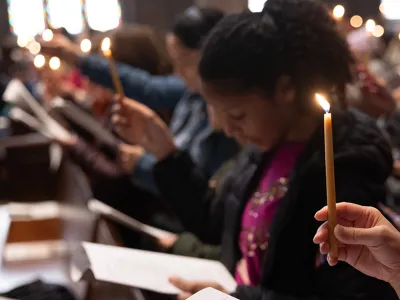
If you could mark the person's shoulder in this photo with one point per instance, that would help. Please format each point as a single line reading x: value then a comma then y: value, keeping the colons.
x: 362, y: 143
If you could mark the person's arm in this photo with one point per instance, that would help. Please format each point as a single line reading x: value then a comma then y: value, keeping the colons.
x: 156, y: 92
x: 188, y: 244
x: 186, y: 188
x: 93, y: 160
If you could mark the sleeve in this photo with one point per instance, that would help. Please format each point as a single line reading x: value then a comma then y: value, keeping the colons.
x: 143, y: 172
x: 156, y: 92
x: 189, y: 245
x: 93, y: 160
x: 185, y: 187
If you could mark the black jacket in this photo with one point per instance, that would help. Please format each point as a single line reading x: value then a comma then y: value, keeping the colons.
x: 362, y: 163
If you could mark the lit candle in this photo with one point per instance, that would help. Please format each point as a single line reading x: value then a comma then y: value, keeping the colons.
x: 330, y: 175
x: 106, y: 48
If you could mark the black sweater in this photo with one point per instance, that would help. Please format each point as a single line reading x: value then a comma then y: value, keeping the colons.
x: 362, y: 163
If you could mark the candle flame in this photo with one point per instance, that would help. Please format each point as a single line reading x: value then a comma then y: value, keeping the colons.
x: 323, y: 102
x: 106, y: 44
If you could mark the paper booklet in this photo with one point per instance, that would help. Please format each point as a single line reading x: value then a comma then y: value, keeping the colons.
x: 143, y: 269
x: 117, y: 216
x: 18, y: 94
x: 211, y: 294
x: 83, y: 119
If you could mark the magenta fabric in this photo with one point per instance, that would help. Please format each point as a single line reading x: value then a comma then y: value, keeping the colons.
x: 259, y: 213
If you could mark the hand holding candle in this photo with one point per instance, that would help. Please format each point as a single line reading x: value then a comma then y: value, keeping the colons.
x: 330, y: 176
x: 106, y: 48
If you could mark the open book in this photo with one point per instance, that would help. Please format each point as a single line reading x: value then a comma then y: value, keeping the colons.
x: 143, y: 269
x: 17, y: 93
x: 211, y: 294
x: 110, y: 213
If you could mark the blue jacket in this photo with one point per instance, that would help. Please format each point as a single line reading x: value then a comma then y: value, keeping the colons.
x: 189, y: 124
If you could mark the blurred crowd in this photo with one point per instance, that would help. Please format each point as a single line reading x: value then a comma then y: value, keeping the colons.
x: 216, y: 136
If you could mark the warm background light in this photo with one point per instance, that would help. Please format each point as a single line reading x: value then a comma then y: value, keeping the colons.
x: 356, y: 21
x: 86, y: 45
x: 34, y: 48
x: 338, y: 11
x: 370, y: 25
x: 23, y: 41
x: 106, y: 44
x: 382, y: 8
x: 39, y: 61
x: 54, y: 63
x: 378, y: 31
x: 47, y: 35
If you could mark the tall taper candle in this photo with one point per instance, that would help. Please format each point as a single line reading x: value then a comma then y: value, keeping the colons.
x: 330, y: 176
x: 106, y: 48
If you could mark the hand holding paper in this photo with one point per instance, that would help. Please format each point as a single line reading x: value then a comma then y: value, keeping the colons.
x: 211, y: 294
x: 189, y: 288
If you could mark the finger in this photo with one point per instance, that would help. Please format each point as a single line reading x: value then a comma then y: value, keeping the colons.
x: 324, y: 248
x: 332, y: 261
x: 181, y: 284
x: 360, y: 236
x: 322, y: 234
x: 119, y: 120
x: 344, y: 210
x: 183, y: 296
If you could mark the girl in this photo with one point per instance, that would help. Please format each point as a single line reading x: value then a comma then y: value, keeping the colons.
x: 259, y: 75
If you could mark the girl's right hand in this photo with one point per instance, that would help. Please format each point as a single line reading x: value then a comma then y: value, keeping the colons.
x: 367, y: 241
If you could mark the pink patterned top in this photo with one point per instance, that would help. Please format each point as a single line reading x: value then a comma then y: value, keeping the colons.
x: 259, y: 213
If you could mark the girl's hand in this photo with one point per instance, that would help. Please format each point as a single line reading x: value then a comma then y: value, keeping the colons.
x: 192, y: 287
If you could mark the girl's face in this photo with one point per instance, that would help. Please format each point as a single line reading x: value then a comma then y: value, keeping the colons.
x: 251, y: 118
x: 185, y: 62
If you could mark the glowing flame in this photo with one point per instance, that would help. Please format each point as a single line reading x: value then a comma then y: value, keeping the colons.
x: 86, y: 45
x: 54, y: 63
x: 323, y: 102
x: 47, y: 35
x: 106, y: 45
x: 39, y: 61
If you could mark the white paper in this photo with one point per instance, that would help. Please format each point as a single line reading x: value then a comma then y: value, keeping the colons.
x: 211, y: 294
x: 84, y: 120
x: 146, y: 270
x: 117, y: 216
x: 17, y: 93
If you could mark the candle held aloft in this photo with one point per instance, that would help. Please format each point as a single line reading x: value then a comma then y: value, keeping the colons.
x: 106, y: 48
x: 330, y: 176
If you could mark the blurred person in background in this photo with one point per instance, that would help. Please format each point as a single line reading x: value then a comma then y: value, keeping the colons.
x: 189, y: 124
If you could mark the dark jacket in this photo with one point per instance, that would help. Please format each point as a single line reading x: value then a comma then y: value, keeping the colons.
x: 363, y: 162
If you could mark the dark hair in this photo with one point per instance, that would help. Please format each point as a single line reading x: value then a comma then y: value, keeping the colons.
x: 297, y: 38
x: 138, y: 46
x: 193, y: 26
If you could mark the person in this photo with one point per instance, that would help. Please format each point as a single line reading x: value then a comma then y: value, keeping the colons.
x: 367, y: 242
x: 189, y: 124
x: 259, y: 73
